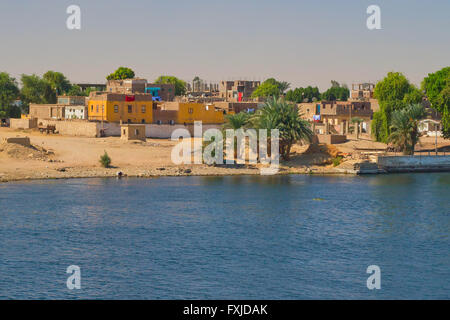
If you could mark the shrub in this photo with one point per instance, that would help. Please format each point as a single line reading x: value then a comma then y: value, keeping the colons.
x: 336, y: 161
x: 105, y: 160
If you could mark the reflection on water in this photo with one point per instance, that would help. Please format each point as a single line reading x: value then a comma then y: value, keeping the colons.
x: 249, y: 237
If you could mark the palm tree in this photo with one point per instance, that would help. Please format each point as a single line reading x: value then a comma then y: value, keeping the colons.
x: 405, y: 128
x: 236, y: 121
x: 278, y: 114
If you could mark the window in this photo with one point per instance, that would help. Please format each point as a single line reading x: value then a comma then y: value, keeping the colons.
x: 143, y: 109
x: 130, y: 108
x: 143, y: 120
x: 191, y: 110
x: 97, y: 108
x: 116, y: 109
x: 92, y: 107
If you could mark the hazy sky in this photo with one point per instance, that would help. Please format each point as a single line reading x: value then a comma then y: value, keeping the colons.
x: 304, y: 42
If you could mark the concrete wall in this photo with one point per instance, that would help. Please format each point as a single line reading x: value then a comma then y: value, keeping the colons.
x: 74, y: 127
x: 23, y: 123
x: 331, y: 138
x: 162, y: 131
x: 414, y: 163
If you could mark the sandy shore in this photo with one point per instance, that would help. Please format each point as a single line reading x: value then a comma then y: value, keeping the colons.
x: 61, y: 157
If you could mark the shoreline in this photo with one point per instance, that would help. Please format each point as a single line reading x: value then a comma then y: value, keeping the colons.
x: 170, y: 172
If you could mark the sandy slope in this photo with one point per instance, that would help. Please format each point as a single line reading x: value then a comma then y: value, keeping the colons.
x: 78, y: 157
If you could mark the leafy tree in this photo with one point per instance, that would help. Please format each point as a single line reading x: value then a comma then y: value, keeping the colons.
x: 308, y: 94
x: 336, y: 92
x: 180, y: 85
x: 57, y: 81
x: 36, y: 90
x: 76, y: 91
x: 278, y: 114
x: 9, y: 92
x: 271, y: 88
x: 404, y: 129
x: 437, y: 89
x: 394, y: 92
x: 121, y: 73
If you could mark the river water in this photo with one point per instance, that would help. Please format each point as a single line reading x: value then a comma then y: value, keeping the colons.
x: 244, y: 237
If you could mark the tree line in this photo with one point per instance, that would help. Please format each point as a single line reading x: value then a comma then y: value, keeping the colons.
x: 274, y: 88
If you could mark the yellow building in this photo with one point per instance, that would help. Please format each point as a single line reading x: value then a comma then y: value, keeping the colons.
x: 116, y: 107
x: 188, y: 112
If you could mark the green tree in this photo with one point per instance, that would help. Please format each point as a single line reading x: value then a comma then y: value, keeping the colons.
x: 278, y: 114
x: 121, y: 73
x: 437, y: 89
x: 9, y: 91
x: 57, y: 81
x: 394, y: 92
x: 105, y: 160
x: 36, y: 90
x: 180, y: 85
x: 236, y: 121
x: 336, y: 92
x: 405, y: 127
x: 76, y: 91
x: 271, y: 88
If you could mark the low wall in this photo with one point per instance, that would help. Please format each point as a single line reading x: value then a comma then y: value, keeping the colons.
x: 73, y: 127
x: 414, y: 163
x: 331, y: 138
x: 23, y: 123
x: 161, y: 131
x: 24, y: 141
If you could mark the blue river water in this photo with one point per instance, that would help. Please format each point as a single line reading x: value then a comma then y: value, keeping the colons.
x: 243, y: 237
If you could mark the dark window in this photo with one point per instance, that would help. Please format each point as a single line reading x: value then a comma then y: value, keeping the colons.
x: 130, y: 109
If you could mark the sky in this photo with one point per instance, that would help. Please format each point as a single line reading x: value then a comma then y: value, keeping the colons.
x: 304, y: 42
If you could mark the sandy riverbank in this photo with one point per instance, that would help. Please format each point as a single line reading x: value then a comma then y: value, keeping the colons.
x: 61, y: 157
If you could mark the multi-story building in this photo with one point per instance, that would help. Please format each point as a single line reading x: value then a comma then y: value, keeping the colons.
x: 72, y: 100
x: 47, y: 111
x: 238, y: 90
x: 116, y: 107
x: 362, y: 91
x: 187, y: 113
x: 76, y: 112
x: 336, y: 116
x: 160, y: 92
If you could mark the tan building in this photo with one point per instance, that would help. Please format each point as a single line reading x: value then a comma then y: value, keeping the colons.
x: 362, y: 91
x: 160, y: 92
x: 238, y: 90
x: 126, y: 86
x: 72, y: 100
x: 335, y: 117
x: 132, y: 132
x: 47, y: 111
x: 236, y: 107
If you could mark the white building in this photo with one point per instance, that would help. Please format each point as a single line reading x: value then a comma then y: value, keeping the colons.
x: 76, y: 112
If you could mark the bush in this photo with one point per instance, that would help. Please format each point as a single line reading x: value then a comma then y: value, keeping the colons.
x: 105, y: 160
x: 336, y: 161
